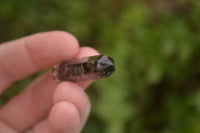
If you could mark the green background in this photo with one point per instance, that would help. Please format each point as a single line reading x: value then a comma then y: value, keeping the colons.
x: 156, y: 47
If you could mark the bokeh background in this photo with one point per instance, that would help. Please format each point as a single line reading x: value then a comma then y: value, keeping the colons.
x: 156, y: 47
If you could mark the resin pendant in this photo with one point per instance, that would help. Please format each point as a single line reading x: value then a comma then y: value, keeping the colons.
x: 82, y: 69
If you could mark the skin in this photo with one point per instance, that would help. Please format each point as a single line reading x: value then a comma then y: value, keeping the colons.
x: 45, y: 106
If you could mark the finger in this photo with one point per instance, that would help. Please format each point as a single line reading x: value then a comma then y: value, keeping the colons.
x: 35, y: 102
x: 64, y: 118
x: 30, y: 106
x: 41, y: 127
x: 28, y: 55
x: 70, y: 92
x: 5, y: 129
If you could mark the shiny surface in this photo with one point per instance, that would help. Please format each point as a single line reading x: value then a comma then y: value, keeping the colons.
x: 82, y: 69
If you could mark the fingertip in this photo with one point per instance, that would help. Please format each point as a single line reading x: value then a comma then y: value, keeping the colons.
x: 64, y: 118
x: 70, y: 39
x: 63, y: 88
x: 73, y: 93
x: 41, y: 127
x: 85, y: 84
x: 87, y: 51
x: 51, y: 47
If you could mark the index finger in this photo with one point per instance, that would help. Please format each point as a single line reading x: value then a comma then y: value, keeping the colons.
x: 28, y: 55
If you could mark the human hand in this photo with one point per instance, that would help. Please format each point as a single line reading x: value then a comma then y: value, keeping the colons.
x: 45, y: 106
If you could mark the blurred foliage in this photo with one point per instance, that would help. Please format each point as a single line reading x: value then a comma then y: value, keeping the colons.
x: 156, y: 47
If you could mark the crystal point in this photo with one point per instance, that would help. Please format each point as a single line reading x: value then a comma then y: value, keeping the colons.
x: 105, y: 65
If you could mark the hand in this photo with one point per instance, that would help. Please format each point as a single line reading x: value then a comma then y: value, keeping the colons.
x: 45, y: 106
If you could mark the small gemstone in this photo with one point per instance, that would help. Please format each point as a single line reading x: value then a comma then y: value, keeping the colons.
x: 105, y: 65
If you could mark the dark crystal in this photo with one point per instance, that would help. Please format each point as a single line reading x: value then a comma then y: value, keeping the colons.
x: 83, y: 69
x: 105, y: 65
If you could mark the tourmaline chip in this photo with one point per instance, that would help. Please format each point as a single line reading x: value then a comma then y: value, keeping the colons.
x: 83, y: 69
